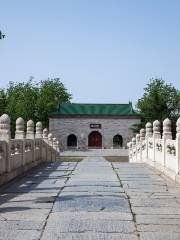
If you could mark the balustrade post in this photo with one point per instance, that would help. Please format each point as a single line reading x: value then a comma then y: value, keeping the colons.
x: 167, y: 134
x: 129, y: 145
x: 45, y: 145
x: 57, y: 146
x: 30, y: 135
x: 45, y: 134
x: 137, y: 138
x: 149, y: 131
x: 156, y: 135
x: 54, y: 141
x: 177, y: 151
x: 134, y: 150
x: 149, y: 134
x: 50, y: 139
x: 30, y: 130
x: 20, y: 134
x: 5, y: 135
x: 39, y: 132
x: 142, y: 138
x: 50, y: 143
x: 138, y: 147
x: 142, y: 134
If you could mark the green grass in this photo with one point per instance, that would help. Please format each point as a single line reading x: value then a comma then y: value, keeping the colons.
x: 70, y: 159
x: 117, y: 158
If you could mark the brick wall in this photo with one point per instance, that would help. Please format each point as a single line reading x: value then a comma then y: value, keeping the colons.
x: 62, y: 127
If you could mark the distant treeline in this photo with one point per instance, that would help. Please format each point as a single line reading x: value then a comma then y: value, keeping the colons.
x: 32, y: 100
x: 159, y: 101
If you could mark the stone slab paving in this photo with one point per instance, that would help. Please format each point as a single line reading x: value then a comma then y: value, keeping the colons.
x: 154, y: 201
x: 26, y: 202
x: 96, y: 152
x: 91, y: 200
x: 92, y: 205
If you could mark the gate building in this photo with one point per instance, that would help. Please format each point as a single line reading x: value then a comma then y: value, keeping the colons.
x: 84, y: 126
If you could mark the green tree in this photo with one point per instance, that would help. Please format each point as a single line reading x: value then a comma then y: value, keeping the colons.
x: 160, y: 101
x: 3, y: 99
x: 51, y: 93
x: 2, y: 35
x: 21, y: 101
x: 31, y: 100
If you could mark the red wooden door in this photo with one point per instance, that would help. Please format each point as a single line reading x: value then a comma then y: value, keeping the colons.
x: 95, y: 139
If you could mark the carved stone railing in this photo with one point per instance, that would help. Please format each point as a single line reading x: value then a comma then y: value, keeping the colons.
x: 161, y: 152
x: 26, y: 150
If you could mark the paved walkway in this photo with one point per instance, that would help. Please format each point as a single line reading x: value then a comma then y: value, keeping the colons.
x: 91, y: 200
x: 96, y: 152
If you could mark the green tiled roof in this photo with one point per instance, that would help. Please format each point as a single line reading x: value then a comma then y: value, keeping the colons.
x: 95, y: 109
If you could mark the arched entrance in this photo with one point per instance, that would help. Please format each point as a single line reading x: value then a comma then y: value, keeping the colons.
x: 95, y: 139
x: 117, y: 141
x: 72, y: 141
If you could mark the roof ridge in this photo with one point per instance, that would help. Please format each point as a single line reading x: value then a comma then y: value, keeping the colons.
x: 96, y: 109
x: 97, y: 103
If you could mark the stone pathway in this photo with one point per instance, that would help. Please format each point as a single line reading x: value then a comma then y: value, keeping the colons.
x: 91, y: 200
x: 25, y: 204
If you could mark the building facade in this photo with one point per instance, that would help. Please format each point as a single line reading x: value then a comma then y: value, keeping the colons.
x: 84, y: 126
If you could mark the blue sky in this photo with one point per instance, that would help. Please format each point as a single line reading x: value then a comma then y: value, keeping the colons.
x: 103, y: 50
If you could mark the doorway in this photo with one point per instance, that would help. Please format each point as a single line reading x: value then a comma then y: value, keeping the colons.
x: 95, y: 139
x: 72, y: 141
x: 117, y: 141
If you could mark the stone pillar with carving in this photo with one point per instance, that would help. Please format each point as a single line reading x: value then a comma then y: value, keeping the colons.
x: 149, y: 134
x: 50, y: 139
x: 133, y: 141
x: 167, y: 129
x: 5, y: 132
x: 54, y: 140
x: 149, y: 131
x: 45, y: 134
x: 156, y: 129
x: 142, y: 138
x: 142, y: 134
x: 138, y: 147
x: 156, y: 135
x: 178, y: 128
x: 20, y: 134
x: 137, y: 138
x: 5, y: 135
x: 57, y: 146
x: 134, y: 150
x: 39, y: 132
x: 44, y: 145
x: 177, y: 150
x: 167, y: 134
x: 50, y: 144
x: 30, y: 130
x: 129, y: 145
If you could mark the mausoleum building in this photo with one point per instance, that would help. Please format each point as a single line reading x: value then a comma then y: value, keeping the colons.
x: 84, y: 126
